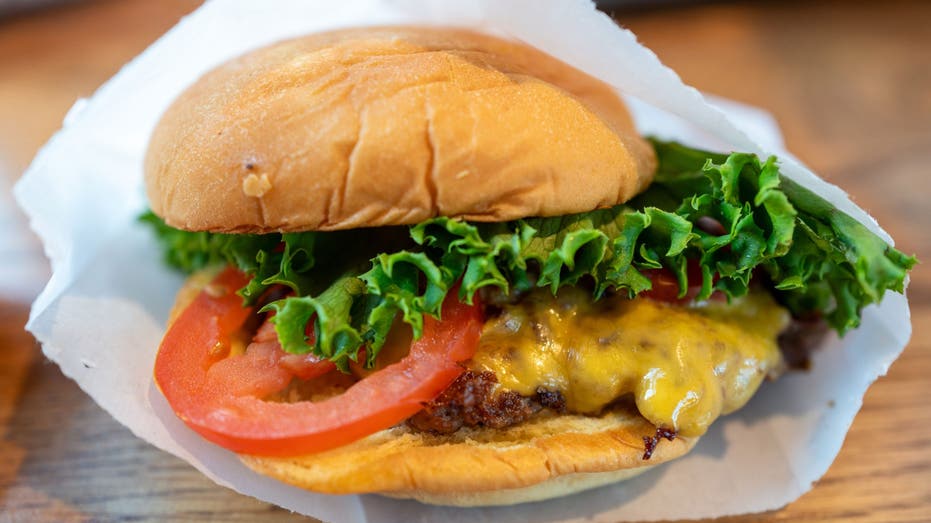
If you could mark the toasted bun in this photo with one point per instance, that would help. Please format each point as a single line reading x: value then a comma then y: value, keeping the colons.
x: 544, y: 457
x: 391, y: 126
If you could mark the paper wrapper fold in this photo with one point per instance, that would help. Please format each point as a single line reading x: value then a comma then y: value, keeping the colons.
x: 102, y: 314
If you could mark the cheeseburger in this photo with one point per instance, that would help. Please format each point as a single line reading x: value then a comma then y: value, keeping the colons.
x: 434, y: 264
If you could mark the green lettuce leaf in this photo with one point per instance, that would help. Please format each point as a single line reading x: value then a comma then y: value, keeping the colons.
x: 820, y: 260
x: 351, y: 285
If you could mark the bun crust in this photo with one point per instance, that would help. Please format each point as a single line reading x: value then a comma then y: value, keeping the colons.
x: 542, y: 458
x: 391, y: 126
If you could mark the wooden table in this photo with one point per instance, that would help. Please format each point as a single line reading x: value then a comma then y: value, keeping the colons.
x: 849, y: 82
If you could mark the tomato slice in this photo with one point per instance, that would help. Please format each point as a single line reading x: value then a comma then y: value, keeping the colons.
x: 234, y: 415
x: 304, y: 366
x: 666, y: 285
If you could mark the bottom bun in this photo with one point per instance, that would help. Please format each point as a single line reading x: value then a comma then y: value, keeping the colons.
x: 545, y: 457
x: 551, y: 488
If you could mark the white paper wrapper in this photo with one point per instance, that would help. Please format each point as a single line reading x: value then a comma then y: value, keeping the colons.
x: 102, y: 314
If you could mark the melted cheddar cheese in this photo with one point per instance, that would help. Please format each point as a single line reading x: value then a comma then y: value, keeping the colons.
x: 684, y: 366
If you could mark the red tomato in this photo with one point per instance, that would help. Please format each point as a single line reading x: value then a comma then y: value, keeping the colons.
x: 304, y: 366
x: 233, y: 413
x: 666, y: 286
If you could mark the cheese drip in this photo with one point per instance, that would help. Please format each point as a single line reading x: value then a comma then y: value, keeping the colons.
x: 684, y: 366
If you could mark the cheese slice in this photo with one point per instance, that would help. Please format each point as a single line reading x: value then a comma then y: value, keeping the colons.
x: 683, y: 365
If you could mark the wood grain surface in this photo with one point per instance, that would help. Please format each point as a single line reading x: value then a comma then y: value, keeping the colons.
x: 850, y: 83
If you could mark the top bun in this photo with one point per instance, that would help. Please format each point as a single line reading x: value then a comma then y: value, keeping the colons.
x: 391, y: 126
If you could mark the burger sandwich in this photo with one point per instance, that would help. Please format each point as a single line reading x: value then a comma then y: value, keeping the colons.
x: 434, y: 264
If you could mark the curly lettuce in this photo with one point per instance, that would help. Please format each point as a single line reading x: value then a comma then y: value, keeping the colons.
x: 353, y: 284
